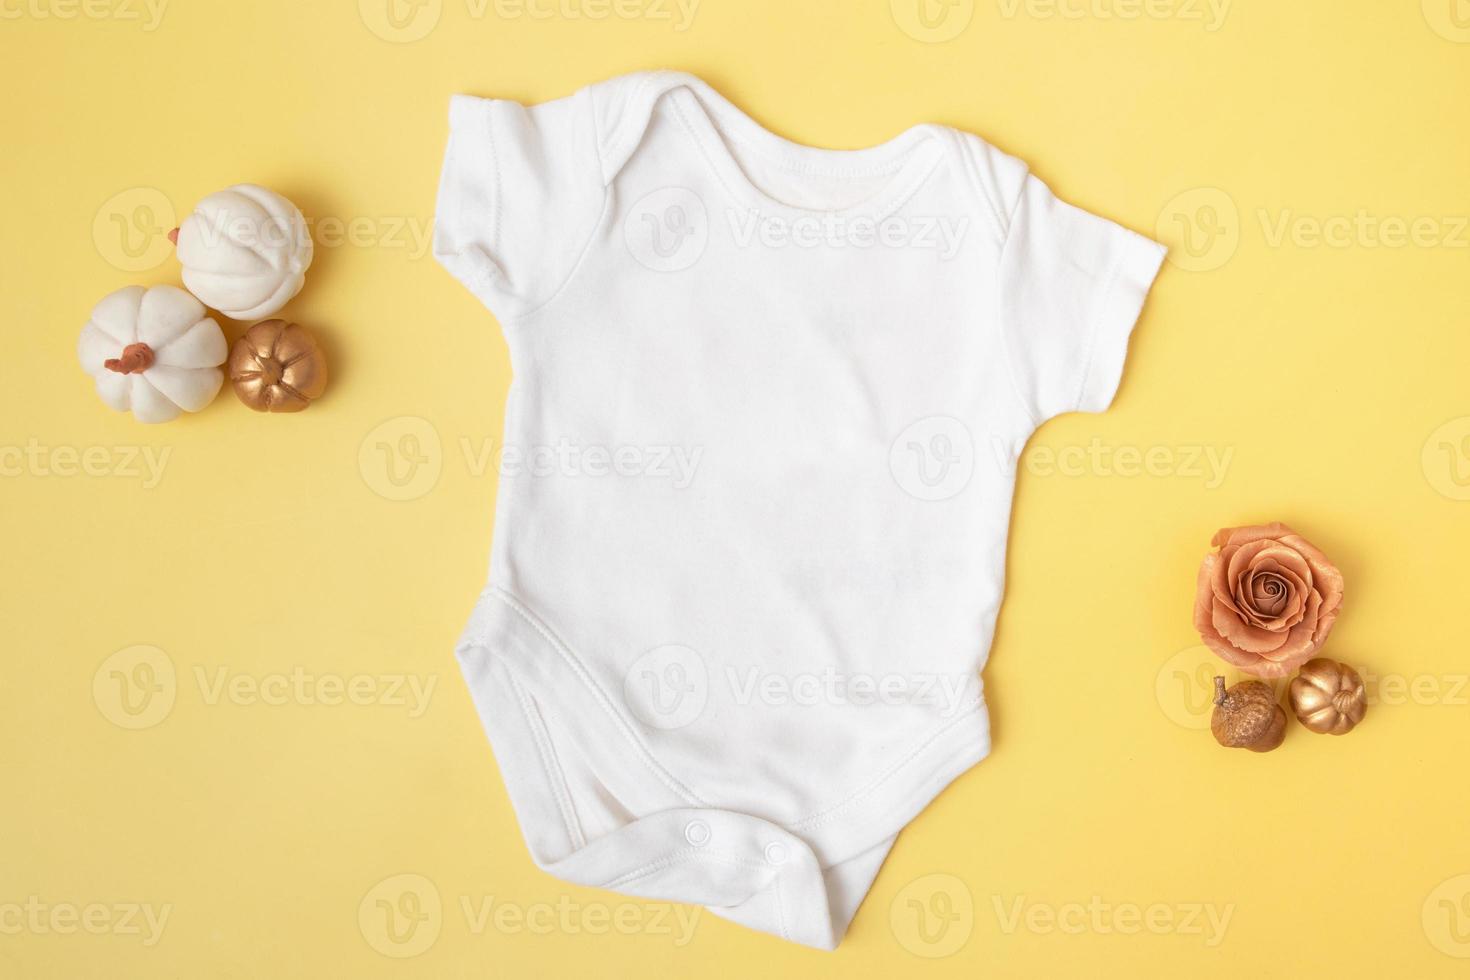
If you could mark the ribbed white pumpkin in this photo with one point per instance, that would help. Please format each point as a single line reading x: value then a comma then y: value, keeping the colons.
x: 153, y: 351
x: 245, y: 251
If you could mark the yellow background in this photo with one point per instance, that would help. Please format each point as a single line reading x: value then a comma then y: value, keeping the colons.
x: 1333, y: 376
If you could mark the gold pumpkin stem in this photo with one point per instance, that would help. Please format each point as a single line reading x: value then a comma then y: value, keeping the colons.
x: 1219, y: 689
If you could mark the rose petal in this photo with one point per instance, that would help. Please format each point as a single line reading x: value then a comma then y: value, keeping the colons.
x: 1299, y: 646
x: 1231, y: 655
x: 1287, y: 557
x: 1242, y: 558
x: 1245, y: 535
x: 1247, y: 637
x: 1268, y: 592
x: 1219, y: 584
x: 1240, y: 561
x: 1204, y: 598
x: 1268, y: 669
x: 1292, y: 610
x: 1325, y: 619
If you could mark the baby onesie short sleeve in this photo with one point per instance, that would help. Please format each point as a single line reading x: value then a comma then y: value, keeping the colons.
x: 1072, y: 285
x: 732, y: 672
x: 520, y: 193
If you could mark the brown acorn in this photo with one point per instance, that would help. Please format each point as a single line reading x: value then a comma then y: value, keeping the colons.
x: 1328, y: 697
x: 277, y: 367
x: 1247, y: 716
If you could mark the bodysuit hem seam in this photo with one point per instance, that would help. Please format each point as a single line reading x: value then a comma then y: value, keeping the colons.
x: 820, y: 818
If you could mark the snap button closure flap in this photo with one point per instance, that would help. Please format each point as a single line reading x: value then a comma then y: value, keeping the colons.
x: 776, y: 852
x: 697, y: 832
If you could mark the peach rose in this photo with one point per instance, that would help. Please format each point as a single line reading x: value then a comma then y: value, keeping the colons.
x: 1267, y: 599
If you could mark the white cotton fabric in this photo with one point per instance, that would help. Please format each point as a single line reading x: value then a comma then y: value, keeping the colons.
x: 757, y: 473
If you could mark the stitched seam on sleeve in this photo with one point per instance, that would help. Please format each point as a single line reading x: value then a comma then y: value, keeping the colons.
x: 495, y: 193
x: 999, y: 221
x: 1094, y: 328
x: 1000, y: 318
x: 606, y: 143
x: 1004, y: 223
x: 582, y: 252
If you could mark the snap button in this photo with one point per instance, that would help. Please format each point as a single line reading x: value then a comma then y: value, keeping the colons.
x: 776, y: 852
x: 697, y: 833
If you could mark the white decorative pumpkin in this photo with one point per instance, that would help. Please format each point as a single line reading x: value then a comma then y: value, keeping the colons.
x: 245, y: 251
x: 153, y: 351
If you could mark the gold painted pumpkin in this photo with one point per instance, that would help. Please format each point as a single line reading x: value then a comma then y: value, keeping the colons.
x: 1247, y: 716
x: 277, y: 367
x: 1328, y: 697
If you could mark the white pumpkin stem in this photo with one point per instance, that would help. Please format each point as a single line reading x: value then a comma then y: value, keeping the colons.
x: 1219, y: 689
x: 135, y: 359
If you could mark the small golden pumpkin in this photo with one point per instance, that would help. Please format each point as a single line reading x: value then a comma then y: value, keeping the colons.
x: 1247, y: 716
x: 1328, y: 697
x: 277, y: 367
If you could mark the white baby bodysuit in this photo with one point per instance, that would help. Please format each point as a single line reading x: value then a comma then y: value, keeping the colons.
x: 757, y: 472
